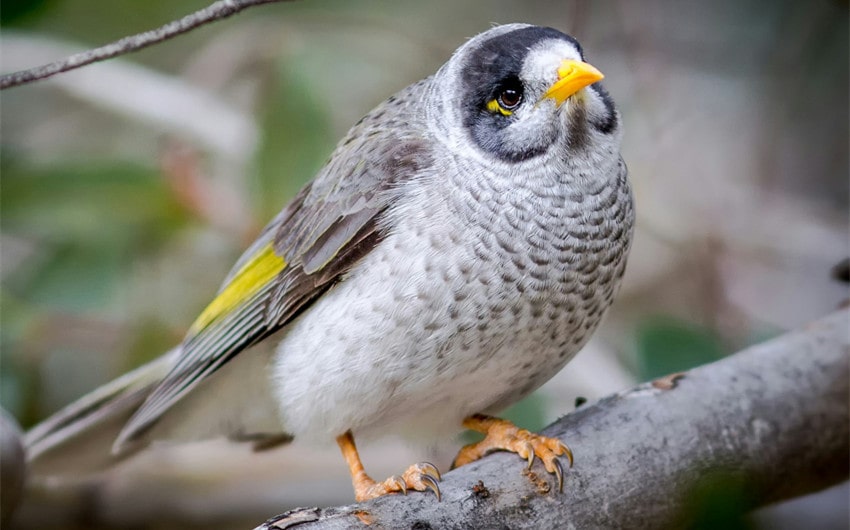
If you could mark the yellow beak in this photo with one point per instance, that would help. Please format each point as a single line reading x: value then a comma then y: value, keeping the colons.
x: 572, y: 77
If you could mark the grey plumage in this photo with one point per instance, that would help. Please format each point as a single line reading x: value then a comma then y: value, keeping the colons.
x: 447, y: 260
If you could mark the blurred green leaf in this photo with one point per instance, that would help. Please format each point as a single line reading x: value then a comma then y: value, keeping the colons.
x: 19, y: 389
x: 17, y: 11
x: 83, y: 227
x: 98, y: 23
x: 151, y: 338
x: 89, y: 224
x: 72, y: 278
x: 296, y: 138
x: 528, y: 413
x: 666, y: 345
x: 17, y: 316
x: 107, y: 201
x: 717, y: 502
x: 13, y: 384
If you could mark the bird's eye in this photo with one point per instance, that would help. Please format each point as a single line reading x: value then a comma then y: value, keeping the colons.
x: 510, y: 98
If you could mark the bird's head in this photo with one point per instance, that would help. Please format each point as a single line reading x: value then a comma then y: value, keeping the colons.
x: 517, y: 92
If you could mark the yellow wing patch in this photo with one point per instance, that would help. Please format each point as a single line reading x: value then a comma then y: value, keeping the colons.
x: 256, y: 273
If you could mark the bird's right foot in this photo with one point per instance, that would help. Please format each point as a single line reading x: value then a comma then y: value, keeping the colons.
x: 502, y: 435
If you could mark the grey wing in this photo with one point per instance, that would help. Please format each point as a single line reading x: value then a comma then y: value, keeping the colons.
x: 330, y: 225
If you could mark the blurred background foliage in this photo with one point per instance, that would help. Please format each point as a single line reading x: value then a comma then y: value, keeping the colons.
x: 130, y: 187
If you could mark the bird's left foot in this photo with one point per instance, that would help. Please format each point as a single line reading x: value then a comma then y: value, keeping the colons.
x: 502, y: 435
x: 418, y: 477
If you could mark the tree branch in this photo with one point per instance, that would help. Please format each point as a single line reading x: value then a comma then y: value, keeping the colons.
x: 768, y: 424
x: 211, y: 13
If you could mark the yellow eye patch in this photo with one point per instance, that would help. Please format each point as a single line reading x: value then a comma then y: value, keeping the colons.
x: 494, y: 106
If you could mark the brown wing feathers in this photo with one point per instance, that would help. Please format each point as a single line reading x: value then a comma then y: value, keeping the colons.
x: 330, y: 225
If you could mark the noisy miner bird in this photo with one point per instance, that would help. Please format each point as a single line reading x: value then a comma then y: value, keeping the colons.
x: 461, y: 244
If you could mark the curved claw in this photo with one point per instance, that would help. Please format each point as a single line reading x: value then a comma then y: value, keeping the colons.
x: 568, y: 453
x: 530, y: 449
x: 559, y: 473
x: 398, y: 481
x: 431, y: 470
x: 432, y: 485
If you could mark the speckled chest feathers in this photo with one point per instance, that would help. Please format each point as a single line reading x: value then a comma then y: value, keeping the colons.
x: 479, y: 295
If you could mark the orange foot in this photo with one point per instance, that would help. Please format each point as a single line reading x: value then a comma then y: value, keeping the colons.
x: 419, y: 477
x: 503, y: 435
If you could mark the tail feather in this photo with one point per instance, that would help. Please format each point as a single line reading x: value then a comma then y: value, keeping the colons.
x: 235, y: 402
x: 88, y: 427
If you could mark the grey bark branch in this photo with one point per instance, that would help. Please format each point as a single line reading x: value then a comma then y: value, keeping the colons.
x: 770, y: 422
x: 213, y: 12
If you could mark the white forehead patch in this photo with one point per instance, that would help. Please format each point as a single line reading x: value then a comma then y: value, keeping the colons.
x: 544, y: 58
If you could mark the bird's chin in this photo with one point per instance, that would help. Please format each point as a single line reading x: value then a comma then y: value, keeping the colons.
x: 575, y: 104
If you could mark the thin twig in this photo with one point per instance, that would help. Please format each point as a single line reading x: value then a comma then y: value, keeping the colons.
x: 218, y: 10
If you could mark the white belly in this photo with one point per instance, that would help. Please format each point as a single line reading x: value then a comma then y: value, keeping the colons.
x: 421, y: 334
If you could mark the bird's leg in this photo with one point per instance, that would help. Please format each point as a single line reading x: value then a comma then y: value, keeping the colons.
x: 419, y: 477
x: 502, y: 435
